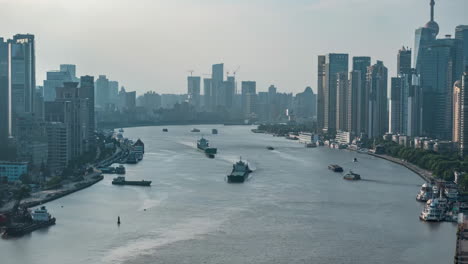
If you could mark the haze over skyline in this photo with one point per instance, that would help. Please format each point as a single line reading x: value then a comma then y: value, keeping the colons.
x: 150, y: 45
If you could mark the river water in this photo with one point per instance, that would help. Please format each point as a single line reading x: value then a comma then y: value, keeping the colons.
x: 292, y: 209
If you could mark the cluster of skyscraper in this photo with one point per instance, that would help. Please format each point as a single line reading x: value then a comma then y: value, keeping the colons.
x: 221, y: 95
x: 421, y: 100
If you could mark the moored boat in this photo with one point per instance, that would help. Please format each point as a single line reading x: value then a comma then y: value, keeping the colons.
x: 311, y: 145
x: 39, y: 218
x: 195, y: 130
x: 425, y: 193
x: 120, y: 170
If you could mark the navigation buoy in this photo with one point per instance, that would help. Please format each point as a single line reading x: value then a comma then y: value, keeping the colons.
x: 118, y: 220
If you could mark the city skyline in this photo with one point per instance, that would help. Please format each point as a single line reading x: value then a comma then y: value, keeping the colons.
x: 289, y: 25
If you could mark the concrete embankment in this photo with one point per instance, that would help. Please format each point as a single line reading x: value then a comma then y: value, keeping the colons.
x: 424, y: 174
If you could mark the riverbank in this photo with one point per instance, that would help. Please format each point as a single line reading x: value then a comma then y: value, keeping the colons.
x: 424, y: 174
x: 46, y: 196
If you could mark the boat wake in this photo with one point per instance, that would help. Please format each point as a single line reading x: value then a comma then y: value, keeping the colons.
x: 389, y: 183
x: 147, y: 202
x: 144, y: 247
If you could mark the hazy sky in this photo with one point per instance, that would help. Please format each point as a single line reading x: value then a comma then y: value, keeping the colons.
x: 151, y: 44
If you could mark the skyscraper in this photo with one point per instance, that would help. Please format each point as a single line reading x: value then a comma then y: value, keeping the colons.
x: 53, y: 80
x: 207, y: 99
x: 4, y: 96
x: 457, y: 108
x: 113, y: 92
x: 87, y: 92
x: 249, y: 93
x: 102, y: 91
x: 217, y: 83
x: 439, y: 65
x: 342, y: 101
x: 377, y: 78
x: 353, y: 106
x: 334, y: 64
x: 464, y: 115
x: 360, y: 64
x: 395, y: 122
x: 193, y: 90
x: 404, y: 61
x: 461, y: 33
x: 70, y: 69
x: 320, y: 92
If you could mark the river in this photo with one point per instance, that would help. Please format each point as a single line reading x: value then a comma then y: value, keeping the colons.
x: 291, y: 210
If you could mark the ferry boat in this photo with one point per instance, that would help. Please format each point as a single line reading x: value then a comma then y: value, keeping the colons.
x: 121, y: 181
x: 120, y: 170
x: 39, y: 218
x: 351, y: 176
x: 165, y: 130
x: 240, y: 172
x: 195, y: 130
x: 204, y: 145
x: 425, y: 193
x: 335, y: 168
x: 433, y: 211
x: 214, y: 131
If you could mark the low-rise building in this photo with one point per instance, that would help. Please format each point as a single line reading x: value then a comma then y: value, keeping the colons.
x: 12, y: 171
x: 343, y: 137
x: 429, y: 145
x: 443, y: 146
x: 403, y: 141
x: 306, y: 138
x: 396, y: 138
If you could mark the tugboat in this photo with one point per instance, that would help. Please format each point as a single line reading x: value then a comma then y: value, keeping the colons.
x: 335, y: 168
x: 121, y: 181
x: 240, y: 172
x: 214, y: 131
x: 270, y: 148
x: 165, y: 130
x: 351, y: 176
x: 38, y: 219
x: 355, y: 160
x: 195, y: 130
x: 120, y: 170
x: 204, y: 145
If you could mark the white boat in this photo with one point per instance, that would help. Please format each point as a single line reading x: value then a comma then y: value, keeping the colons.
x: 432, y: 212
x: 425, y: 193
x: 41, y: 215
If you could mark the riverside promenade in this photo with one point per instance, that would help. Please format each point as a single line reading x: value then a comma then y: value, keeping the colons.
x: 425, y: 174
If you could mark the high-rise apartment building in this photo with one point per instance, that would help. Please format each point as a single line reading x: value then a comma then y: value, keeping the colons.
x: 193, y: 90
x: 334, y: 64
x: 360, y: 64
x: 457, y: 108
x: 102, y: 91
x: 395, y: 108
x: 4, y: 96
x: 377, y: 78
x: 217, y: 83
x: 461, y: 33
x: 53, y: 80
x: 207, y: 98
x: 249, y: 93
x: 342, y: 101
x: 87, y: 92
x: 354, y: 87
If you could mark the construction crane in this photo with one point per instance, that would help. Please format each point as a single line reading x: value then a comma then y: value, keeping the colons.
x: 234, y: 72
x: 191, y: 72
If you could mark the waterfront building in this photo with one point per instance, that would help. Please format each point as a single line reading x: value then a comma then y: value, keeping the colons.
x: 438, y: 62
x: 58, y: 142
x: 4, y: 97
x: 169, y: 100
x: 463, y: 145
x: 130, y: 100
x: 334, y: 64
x: 320, y: 92
x: 342, y: 84
x: 343, y: 137
x: 151, y: 101
x: 193, y: 90
x: 249, y: 93
x: 377, y: 78
x: 353, y: 106
x: 12, y: 171
x: 31, y: 140
x: 360, y: 64
x: 22, y: 75
x: 87, y: 92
